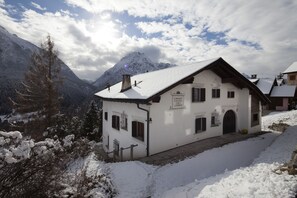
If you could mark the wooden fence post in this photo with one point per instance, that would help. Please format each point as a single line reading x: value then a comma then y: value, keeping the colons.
x: 114, y: 155
x: 121, y: 153
x: 131, y: 152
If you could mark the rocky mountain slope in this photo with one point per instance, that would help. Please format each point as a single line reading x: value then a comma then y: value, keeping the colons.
x: 133, y: 63
x: 15, y: 54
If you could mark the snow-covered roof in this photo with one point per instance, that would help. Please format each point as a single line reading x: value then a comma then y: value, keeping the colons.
x: 153, y: 84
x: 265, y: 85
x: 280, y: 81
x: 283, y: 91
x: 292, y: 68
x: 254, y: 80
x: 149, y: 84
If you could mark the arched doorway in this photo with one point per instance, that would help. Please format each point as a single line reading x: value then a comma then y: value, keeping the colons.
x: 229, y: 122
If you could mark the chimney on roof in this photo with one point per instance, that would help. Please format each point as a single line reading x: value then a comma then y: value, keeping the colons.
x: 126, y: 83
x: 254, y: 76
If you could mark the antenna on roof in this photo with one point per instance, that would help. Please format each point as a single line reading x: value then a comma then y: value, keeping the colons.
x: 108, y: 86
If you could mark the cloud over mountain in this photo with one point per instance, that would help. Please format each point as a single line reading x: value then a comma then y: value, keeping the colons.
x: 254, y: 36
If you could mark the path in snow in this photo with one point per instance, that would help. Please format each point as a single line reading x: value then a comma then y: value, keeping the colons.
x: 136, y: 179
x: 210, y: 163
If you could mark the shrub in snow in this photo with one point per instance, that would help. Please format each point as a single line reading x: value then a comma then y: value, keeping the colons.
x: 243, y: 131
x: 28, y: 168
x: 84, y: 183
x: 38, y: 169
x: 278, y: 126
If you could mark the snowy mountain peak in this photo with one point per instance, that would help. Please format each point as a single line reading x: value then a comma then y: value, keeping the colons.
x: 133, y: 63
x: 132, y: 55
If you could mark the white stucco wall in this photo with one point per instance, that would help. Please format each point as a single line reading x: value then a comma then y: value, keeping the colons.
x: 170, y: 128
x: 124, y: 137
x: 175, y: 127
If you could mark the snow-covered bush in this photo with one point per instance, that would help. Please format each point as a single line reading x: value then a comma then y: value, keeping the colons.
x: 29, y: 168
x: 83, y: 181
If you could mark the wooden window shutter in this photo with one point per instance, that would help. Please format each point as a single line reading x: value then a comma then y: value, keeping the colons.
x: 203, y: 124
x: 113, y: 121
x: 197, y: 125
x: 193, y: 94
x: 213, y: 93
x: 141, y: 130
x: 202, y: 94
x: 134, y: 128
x: 118, y: 122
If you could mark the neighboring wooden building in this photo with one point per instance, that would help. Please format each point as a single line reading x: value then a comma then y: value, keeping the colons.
x: 291, y: 72
x: 172, y: 107
x: 281, y: 95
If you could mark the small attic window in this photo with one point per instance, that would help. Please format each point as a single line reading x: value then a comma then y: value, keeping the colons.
x: 156, y: 99
x: 178, y: 92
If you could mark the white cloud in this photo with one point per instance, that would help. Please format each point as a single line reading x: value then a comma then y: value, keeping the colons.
x: 37, y: 6
x: 90, y: 45
x: 271, y: 24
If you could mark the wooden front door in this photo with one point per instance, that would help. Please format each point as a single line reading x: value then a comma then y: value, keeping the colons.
x: 229, y: 122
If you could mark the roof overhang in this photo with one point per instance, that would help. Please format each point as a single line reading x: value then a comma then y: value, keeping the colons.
x: 221, y: 68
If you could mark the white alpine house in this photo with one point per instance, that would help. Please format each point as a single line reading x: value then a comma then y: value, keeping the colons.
x: 168, y: 108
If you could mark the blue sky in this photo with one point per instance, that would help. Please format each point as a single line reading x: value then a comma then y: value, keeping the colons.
x: 92, y: 35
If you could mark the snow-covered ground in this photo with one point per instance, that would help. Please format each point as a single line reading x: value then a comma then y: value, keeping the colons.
x: 288, y: 117
x: 135, y: 179
x: 241, y: 169
x: 256, y: 180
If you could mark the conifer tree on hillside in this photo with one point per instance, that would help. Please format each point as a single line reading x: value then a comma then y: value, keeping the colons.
x: 92, y: 123
x: 40, y: 85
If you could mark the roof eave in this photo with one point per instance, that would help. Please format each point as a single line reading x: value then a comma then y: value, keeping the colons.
x: 248, y: 83
x: 126, y: 100
x: 290, y: 72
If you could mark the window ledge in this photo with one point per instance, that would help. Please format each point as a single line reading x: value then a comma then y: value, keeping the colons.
x: 214, y: 125
x: 139, y: 139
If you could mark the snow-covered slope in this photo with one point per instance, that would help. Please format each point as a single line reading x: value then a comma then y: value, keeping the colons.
x: 15, y: 56
x: 133, y: 63
x: 258, y: 179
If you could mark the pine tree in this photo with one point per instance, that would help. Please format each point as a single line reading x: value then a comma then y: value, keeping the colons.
x: 92, y: 123
x: 40, y: 85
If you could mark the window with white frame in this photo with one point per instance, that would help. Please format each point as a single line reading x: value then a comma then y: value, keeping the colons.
x: 115, y: 122
x: 231, y: 94
x: 215, y: 121
x: 198, y: 94
x: 216, y: 93
x: 106, y: 116
x: 200, y: 124
x: 138, y: 130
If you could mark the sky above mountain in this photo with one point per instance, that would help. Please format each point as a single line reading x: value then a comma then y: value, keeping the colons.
x: 92, y: 35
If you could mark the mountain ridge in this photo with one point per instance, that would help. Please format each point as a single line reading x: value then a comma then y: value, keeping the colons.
x: 132, y: 64
x: 15, y: 58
